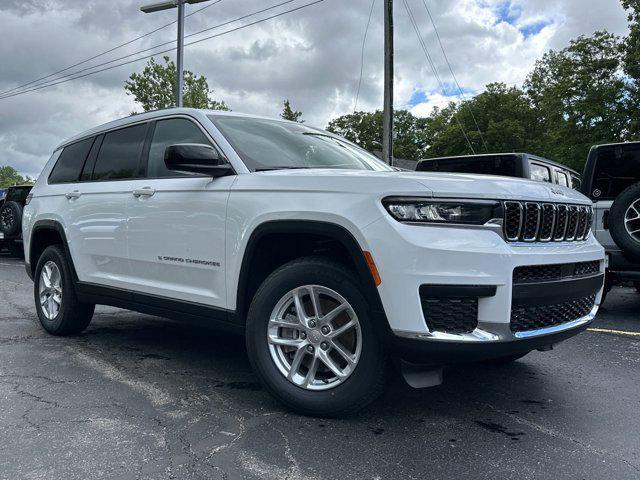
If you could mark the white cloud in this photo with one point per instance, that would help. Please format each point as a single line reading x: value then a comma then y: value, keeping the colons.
x: 311, y: 57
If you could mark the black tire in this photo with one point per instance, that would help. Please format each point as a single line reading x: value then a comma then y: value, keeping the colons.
x: 506, y: 359
x: 627, y: 243
x: 73, y: 316
x: 367, y: 380
x: 15, y: 249
x: 637, y: 285
x: 11, y: 218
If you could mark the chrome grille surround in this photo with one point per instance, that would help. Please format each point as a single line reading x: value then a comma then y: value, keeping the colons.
x: 546, y: 222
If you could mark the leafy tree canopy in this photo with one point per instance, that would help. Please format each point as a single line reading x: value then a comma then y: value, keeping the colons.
x: 10, y: 177
x: 155, y: 88
x: 289, y: 113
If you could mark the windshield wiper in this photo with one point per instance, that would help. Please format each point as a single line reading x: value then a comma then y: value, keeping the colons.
x: 269, y: 169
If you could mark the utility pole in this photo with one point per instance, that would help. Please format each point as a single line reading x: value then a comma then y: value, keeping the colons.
x: 166, y: 5
x: 387, y: 121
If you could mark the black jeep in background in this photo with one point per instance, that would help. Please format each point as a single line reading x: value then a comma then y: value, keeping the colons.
x: 11, y: 219
x: 612, y: 180
x: 523, y: 165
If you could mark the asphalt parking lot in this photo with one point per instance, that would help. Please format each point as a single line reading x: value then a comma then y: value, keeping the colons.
x: 141, y: 397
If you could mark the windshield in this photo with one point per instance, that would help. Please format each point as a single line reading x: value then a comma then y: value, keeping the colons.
x: 274, y: 145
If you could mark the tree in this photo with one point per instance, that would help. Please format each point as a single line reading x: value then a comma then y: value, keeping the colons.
x: 155, y: 88
x: 631, y: 65
x: 579, y: 96
x: 289, y: 113
x: 365, y: 129
x: 9, y: 177
x: 500, y: 118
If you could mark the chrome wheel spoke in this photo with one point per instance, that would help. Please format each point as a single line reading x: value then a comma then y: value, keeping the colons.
x: 344, y: 328
x: 333, y: 314
x: 311, y: 373
x: 344, y: 354
x: 632, y: 220
x: 295, y: 364
x: 285, y: 342
x: 315, y: 302
x: 331, y: 365
x: 297, y: 298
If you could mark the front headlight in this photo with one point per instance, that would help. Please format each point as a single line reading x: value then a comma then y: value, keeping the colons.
x: 427, y: 210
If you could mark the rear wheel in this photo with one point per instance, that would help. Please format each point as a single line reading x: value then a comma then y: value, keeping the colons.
x: 11, y: 218
x: 624, y: 221
x: 311, y: 342
x: 58, y: 308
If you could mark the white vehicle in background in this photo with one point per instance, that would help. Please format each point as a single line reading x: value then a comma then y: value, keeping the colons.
x: 328, y: 260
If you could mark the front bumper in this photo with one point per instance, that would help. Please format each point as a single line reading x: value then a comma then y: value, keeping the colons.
x: 411, y: 256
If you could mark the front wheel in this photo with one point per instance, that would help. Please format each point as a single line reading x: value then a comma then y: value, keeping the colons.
x: 311, y: 342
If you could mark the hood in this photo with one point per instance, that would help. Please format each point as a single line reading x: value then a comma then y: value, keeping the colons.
x: 435, y: 184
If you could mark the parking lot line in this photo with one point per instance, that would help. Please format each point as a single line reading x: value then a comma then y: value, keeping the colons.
x: 615, y: 332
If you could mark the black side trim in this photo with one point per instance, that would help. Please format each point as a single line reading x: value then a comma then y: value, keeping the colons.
x: 458, y: 291
x: 181, y: 310
x: 331, y: 230
x: 560, y: 291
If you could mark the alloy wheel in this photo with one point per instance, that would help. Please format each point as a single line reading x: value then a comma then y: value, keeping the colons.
x: 314, y: 337
x: 50, y: 290
x: 632, y: 220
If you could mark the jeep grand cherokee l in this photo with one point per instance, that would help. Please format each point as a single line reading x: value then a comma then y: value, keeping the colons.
x: 329, y: 261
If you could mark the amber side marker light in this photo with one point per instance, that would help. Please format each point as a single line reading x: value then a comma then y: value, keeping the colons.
x: 372, y: 268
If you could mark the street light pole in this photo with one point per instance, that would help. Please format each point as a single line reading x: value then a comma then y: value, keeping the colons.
x: 180, y: 55
x: 387, y: 120
x: 166, y: 5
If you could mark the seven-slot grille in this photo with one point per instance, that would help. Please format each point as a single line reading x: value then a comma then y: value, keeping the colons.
x: 545, y: 222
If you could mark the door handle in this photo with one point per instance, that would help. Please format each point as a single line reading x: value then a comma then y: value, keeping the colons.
x: 144, y: 192
x: 72, y: 195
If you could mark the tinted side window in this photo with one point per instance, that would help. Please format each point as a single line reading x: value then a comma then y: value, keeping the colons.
x: 540, y: 173
x: 487, y: 165
x: 576, y: 182
x: 617, y: 167
x: 119, y: 156
x: 70, y: 162
x: 167, y: 133
x: 562, y: 179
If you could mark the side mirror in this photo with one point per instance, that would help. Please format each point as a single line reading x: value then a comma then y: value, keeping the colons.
x: 196, y: 158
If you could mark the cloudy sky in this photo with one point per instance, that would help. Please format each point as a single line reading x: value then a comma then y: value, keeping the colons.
x: 311, y: 56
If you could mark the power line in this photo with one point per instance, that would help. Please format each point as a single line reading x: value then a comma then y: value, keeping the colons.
x: 165, y: 51
x: 170, y: 42
x: 433, y: 67
x: 364, y: 41
x: 444, y: 53
x: 129, y: 42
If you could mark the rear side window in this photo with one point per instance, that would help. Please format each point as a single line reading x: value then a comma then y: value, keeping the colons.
x: 487, y: 165
x: 540, y: 173
x: 70, y: 163
x: 119, y: 156
x: 576, y: 182
x: 167, y: 133
x: 562, y: 179
x: 617, y: 167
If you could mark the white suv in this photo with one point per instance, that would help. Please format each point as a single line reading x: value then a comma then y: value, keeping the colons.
x: 328, y: 260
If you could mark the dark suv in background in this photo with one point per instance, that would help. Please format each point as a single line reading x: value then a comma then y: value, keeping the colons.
x: 522, y: 165
x: 612, y: 182
x: 11, y: 207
